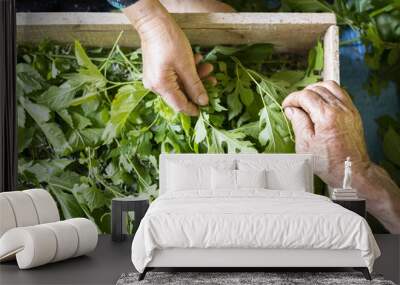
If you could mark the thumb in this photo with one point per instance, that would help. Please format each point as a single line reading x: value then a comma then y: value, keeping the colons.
x: 302, y: 125
x: 193, y: 86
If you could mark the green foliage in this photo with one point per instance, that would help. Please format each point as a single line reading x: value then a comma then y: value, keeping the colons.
x: 377, y: 21
x: 389, y: 131
x: 89, y: 131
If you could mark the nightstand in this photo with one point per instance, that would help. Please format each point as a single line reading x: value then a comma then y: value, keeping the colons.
x: 356, y: 206
x: 119, y: 207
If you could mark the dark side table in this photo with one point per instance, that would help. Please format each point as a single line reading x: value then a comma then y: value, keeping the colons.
x: 119, y: 209
x: 357, y: 206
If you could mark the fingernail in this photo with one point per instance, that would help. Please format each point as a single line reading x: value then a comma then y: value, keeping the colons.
x: 289, y: 112
x: 202, y: 100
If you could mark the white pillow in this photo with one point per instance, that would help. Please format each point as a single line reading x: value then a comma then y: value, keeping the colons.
x: 186, y: 175
x: 181, y: 177
x: 291, y: 180
x: 251, y: 178
x: 228, y: 179
x: 282, y: 175
x: 223, y: 179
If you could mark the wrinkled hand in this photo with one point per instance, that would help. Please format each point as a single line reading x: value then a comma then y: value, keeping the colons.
x: 327, y: 124
x: 169, y: 66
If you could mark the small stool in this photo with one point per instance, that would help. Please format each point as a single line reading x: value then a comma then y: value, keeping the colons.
x: 119, y: 207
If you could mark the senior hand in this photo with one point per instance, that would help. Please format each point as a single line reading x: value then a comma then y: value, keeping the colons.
x: 169, y: 67
x: 327, y: 124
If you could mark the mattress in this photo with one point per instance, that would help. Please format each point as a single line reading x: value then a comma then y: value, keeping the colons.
x: 251, y: 219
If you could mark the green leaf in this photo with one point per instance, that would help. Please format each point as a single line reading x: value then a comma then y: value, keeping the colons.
x: 66, y: 116
x: 391, y: 146
x: 83, y: 59
x: 224, y: 50
x: 69, y: 205
x: 232, y: 140
x: 186, y: 123
x: 250, y: 129
x: 58, y: 98
x: 215, y: 100
x: 52, y: 131
x: 45, y: 169
x: 56, y: 138
x: 90, y: 73
x: 288, y: 77
x: 393, y: 56
x: 306, y: 5
x: 91, y: 196
x: 392, y: 169
x: 21, y: 117
x: 80, y: 122
x: 80, y: 139
x: 307, y: 80
x: 255, y: 54
x: 65, y: 180
x: 200, y: 131
x: 266, y: 135
x: 234, y: 104
x: 246, y: 95
x: 40, y: 113
x: 315, y: 59
x: 28, y: 78
x: 25, y: 137
x: 126, y: 100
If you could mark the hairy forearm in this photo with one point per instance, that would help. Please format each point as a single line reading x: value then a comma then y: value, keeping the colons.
x: 382, y: 195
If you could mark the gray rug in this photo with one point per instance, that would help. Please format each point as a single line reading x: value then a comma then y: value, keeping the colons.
x: 243, y: 278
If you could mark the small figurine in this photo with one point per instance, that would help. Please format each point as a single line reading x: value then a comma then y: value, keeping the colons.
x: 347, y: 174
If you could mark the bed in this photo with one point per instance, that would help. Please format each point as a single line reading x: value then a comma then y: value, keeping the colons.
x: 247, y: 210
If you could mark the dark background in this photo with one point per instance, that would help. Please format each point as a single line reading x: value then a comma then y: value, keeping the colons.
x: 63, y: 6
x: 103, y: 6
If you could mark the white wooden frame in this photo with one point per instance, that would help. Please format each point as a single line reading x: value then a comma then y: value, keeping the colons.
x: 256, y: 257
x: 288, y: 32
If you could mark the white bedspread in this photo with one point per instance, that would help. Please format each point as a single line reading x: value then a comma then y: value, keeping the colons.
x: 250, y: 219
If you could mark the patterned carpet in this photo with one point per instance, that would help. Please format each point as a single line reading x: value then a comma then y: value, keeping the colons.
x: 253, y: 278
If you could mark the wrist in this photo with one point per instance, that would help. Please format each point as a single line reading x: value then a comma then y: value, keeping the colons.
x: 146, y: 15
x: 382, y: 196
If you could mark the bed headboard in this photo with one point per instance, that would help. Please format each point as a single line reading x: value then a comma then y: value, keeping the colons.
x: 205, y: 159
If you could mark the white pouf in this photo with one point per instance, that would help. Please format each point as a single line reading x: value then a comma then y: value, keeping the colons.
x: 37, y: 245
x: 24, y: 211
x: 46, y: 207
x: 7, y: 220
x: 31, y: 233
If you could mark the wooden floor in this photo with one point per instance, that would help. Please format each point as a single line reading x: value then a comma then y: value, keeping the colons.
x: 110, y: 260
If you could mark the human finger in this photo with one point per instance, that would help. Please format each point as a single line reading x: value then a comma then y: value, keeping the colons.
x: 331, y: 99
x: 193, y: 86
x: 309, y: 101
x: 336, y: 90
x: 301, y: 122
x: 204, y: 69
